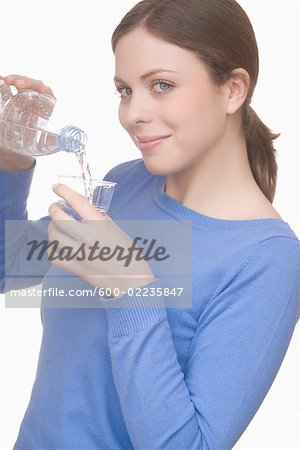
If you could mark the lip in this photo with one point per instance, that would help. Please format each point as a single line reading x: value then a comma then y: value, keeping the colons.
x: 148, y: 142
x: 145, y: 139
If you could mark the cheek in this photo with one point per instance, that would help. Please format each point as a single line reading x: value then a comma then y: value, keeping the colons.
x: 202, y: 115
x: 121, y: 116
x: 200, y: 126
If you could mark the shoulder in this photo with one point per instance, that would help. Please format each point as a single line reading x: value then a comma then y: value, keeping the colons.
x: 278, y: 254
x: 282, y: 249
x: 274, y: 260
x: 265, y: 283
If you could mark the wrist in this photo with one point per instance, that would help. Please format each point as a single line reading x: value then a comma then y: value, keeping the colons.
x: 134, y: 283
x: 13, y: 162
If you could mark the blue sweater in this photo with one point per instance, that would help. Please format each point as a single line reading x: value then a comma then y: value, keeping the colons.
x: 163, y: 378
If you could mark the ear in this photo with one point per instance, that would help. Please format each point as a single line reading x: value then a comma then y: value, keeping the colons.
x: 237, y: 89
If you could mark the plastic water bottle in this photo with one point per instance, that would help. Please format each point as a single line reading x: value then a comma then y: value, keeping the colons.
x: 24, y: 118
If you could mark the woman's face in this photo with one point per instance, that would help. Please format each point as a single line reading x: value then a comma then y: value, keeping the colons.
x: 167, y: 97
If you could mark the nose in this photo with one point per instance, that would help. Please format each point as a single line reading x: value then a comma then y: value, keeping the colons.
x: 138, y: 109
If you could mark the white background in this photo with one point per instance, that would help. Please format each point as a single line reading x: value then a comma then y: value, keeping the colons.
x: 67, y: 45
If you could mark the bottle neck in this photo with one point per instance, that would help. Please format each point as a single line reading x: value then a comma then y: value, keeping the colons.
x: 72, y: 139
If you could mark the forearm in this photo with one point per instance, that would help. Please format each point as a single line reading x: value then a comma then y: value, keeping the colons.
x: 154, y: 397
x: 16, y: 231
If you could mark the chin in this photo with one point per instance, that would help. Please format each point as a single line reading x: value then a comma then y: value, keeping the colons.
x: 155, y: 168
x: 158, y: 168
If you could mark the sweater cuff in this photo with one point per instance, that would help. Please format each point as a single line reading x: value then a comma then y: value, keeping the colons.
x: 135, y: 311
x: 14, y: 188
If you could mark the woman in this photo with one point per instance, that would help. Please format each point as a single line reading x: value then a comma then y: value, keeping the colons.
x: 189, y: 377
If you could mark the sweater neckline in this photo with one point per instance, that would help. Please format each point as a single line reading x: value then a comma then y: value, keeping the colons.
x: 177, y: 209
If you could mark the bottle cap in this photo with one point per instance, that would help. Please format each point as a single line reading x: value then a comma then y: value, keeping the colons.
x: 72, y: 139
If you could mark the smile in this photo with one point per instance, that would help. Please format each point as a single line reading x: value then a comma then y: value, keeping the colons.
x: 149, y: 144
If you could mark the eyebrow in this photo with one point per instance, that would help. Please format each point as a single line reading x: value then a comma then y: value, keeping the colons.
x: 146, y: 75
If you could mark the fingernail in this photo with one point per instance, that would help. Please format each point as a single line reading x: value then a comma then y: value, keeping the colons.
x: 55, y: 185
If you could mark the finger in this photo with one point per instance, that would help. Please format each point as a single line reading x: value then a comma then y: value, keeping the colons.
x: 66, y: 223
x: 61, y: 221
x: 79, y: 230
x: 83, y: 232
x: 65, y: 253
x: 79, y: 203
x: 10, y: 79
x: 59, y: 239
x: 53, y: 230
x: 23, y: 82
x: 68, y: 266
x: 57, y: 213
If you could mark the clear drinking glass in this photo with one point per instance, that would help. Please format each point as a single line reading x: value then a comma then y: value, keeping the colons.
x: 100, y: 198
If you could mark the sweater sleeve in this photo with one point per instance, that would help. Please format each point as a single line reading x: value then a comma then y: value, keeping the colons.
x: 14, y: 191
x: 238, y: 346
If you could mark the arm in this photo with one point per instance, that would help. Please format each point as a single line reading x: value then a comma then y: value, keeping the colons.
x: 16, y: 173
x: 238, y: 346
x: 13, y: 162
x: 14, y: 190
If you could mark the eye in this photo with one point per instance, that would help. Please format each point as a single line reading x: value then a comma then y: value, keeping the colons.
x: 123, y: 91
x: 163, y: 87
x: 160, y: 87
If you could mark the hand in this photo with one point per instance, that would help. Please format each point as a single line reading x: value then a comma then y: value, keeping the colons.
x: 21, y: 82
x: 10, y: 161
x: 97, y: 230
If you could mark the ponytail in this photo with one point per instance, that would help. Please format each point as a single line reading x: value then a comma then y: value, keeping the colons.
x: 261, y: 152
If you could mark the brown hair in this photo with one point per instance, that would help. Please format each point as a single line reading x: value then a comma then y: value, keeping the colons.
x: 220, y: 33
